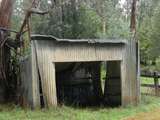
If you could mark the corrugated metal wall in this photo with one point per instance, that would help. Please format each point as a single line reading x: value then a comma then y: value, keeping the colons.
x: 130, y: 91
x: 46, y: 52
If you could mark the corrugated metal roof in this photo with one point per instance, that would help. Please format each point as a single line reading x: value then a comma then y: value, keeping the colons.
x: 50, y: 37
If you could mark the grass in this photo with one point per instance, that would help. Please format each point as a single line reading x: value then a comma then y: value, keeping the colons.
x: 145, y: 80
x: 148, y: 103
x: 11, y: 112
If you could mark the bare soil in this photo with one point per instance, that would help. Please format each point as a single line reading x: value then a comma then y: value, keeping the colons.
x: 152, y: 115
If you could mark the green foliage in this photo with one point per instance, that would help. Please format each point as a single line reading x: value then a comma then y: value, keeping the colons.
x: 118, y: 28
x: 117, y: 25
x: 155, y: 32
x: 144, y: 35
x: 84, y: 21
x: 158, y: 63
x: 86, y: 24
x: 148, y: 31
x: 89, y: 23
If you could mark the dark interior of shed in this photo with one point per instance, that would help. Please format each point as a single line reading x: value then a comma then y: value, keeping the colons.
x: 88, y: 83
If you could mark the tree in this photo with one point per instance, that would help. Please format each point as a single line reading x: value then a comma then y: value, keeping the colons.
x: 148, y: 27
x: 5, y: 22
x: 155, y: 34
x: 133, y: 17
x: 69, y: 20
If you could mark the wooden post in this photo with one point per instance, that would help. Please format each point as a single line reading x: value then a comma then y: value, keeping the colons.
x: 138, y: 72
x: 156, y: 84
x: 130, y: 84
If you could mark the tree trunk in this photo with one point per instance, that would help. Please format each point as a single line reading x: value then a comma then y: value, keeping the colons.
x: 104, y: 27
x: 5, y: 21
x: 133, y: 18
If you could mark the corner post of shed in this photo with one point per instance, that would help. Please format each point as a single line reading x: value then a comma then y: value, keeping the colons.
x: 130, y: 76
x: 43, y: 75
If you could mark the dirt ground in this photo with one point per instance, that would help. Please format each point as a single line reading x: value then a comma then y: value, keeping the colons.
x: 153, y: 115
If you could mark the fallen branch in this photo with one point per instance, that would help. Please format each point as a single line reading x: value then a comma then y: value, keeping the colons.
x: 36, y: 11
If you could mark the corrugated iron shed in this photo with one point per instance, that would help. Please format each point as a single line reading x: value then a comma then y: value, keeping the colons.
x: 48, y: 51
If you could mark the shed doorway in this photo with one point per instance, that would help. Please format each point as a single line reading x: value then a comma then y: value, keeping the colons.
x: 78, y: 83
x: 81, y: 83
